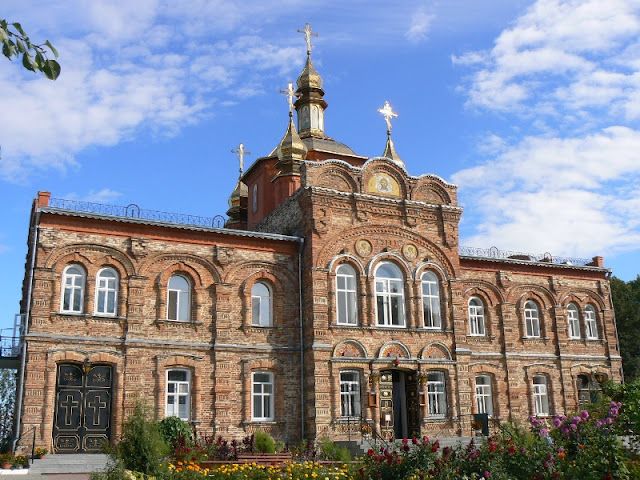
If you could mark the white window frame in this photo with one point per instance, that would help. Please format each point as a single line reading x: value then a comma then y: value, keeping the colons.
x: 590, y: 322
x: 265, y: 315
x: 177, y: 394
x: 431, y: 297
x: 76, y: 288
x: 484, y: 394
x: 348, y: 296
x: 350, y: 402
x: 540, y: 390
x: 107, y: 290
x: 531, y: 319
x: 264, y: 396
x: 477, y: 326
x: 388, y: 296
x: 437, y: 394
x: 179, y: 299
x: 573, y: 320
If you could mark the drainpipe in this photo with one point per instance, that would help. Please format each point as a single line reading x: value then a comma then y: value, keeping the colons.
x: 300, y: 312
x: 25, y: 328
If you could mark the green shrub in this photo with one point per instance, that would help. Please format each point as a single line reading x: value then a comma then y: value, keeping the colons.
x: 264, y: 442
x: 142, y: 447
x: 176, y: 432
x: 329, y: 450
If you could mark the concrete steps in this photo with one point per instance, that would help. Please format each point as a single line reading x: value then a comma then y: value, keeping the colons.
x: 82, y: 463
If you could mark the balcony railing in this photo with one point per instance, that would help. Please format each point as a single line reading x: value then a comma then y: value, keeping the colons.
x: 9, y: 345
x: 495, y: 253
x: 133, y: 211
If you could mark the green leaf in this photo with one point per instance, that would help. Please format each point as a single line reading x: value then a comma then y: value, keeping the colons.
x: 51, y: 69
x: 8, y: 49
x: 20, y: 45
x: 39, y: 60
x: 3, y: 34
x: 27, y: 62
x: 19, y: 28
x: 52, y: 48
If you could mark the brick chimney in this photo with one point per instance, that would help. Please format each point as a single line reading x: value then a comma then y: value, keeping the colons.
x: 598, y: 262
x: 43, y: 199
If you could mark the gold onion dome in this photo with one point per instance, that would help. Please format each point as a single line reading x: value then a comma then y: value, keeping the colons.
x: 239, y: 192
x: 309, y: 78
x: 291, y: 146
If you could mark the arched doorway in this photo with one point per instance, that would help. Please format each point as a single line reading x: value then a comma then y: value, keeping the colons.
x: 399, y: 404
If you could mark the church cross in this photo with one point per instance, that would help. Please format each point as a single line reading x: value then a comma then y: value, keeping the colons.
x: 69, y: 404
x: 388, y: 114
x: 96, y: 404
x: 308, y: 33
x: 241, y: 152
x: 290, y: 93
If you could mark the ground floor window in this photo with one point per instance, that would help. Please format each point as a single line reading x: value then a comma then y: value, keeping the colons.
x: 262, y: 396
x: 350, y: 394
x: 588, y: 390
x: 540, y: 395
x: 484, y: 395
x: 178, y: 398
x: 436, y: 394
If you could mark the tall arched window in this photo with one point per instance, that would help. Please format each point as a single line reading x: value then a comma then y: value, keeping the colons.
x: 590, y: 322
x: 431, y: 301
x: 106, y: 292
x: 347, y: 293
x: 573, y: 318
x: 476, y: 317
x: 73, y: 284
x: 540, y: 395
x: 179, y: 299
x: 484, y: 394
x: 261, y: 305
x: 390, y: 295
x: 532, y: 319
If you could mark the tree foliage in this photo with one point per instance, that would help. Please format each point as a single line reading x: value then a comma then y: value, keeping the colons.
x: 7, y: 406
x: 626, y: 302
x: 16, y: 44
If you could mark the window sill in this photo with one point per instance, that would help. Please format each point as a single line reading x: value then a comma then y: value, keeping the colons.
x: 188, y: 323
x: 87, y: 317
x: 436, y: 420
x: 261, y: 422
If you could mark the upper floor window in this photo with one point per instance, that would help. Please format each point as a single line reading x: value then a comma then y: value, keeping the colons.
x: 389, y: 295
x: 179, y: 299
x: 261, y: 305
x: 436, y: 393
x: 73, y: 284
x: 262, y: 396
x: 431, y: 300
x: 574, y: 321
x: 590, y: 322
x: 484, y: 394
x: 178, y: 395
x: 347, y: 293
x: 350, y: 394
x: 476, y: 316
x: 106, y: 292
x: 532, y: 319
x: 540, y: 395
x: 588, y: 390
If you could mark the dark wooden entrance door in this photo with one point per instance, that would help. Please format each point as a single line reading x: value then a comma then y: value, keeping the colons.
x: 83, y: 408
x: 399, y: 406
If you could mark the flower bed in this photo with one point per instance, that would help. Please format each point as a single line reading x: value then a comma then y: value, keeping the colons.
x: 234, y: 471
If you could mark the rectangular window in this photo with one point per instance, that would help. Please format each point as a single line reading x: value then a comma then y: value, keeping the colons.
x: 178, y: 395
x: 347, y: 299
x: 590, y: 324
x: 574, y: 322
x: 540, y: 396
x: 431, y: 304
x: 436, y: 394
x: 350, y: 394
x: 484, y: 397
x: 172, y: 312
x: 262, y: 396
x: 390, y: 303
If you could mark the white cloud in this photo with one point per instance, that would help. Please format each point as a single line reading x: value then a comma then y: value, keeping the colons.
x: 569, y: 196
x: 104, y: 195
x: 419, y: 26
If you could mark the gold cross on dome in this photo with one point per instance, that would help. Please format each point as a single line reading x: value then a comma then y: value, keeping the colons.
x: 241, y: 152
x: 290, y: 93
x: 308, y: 33
x: 388, y: 114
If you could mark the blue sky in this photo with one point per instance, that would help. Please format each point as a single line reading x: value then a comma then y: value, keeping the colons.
x: 531, y: 107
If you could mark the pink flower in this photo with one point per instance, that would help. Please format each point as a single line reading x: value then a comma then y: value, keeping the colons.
x: 486, y: 474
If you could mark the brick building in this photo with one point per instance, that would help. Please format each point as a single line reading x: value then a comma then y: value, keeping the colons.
x: 336, y: 294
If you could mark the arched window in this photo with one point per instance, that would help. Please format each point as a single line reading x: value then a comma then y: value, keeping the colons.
x: 476, y: 317
x: 254, y: 198
x: 390, y: 295
x: 178, y: 395
x: 540, y: 395
x: 588, y: 390
x: 106, y: 292
x: 261, y: 305
x: 179, y: 299
x: 590, y: 322
x: 431, y: 301
x: 532, y: 319
x: 436, y: 394
x: 73, y: 284
x: 347, y: 293
x: 484, y: 395
x: 262, y: 396
x: 350, y: 393
x: 573, y: 318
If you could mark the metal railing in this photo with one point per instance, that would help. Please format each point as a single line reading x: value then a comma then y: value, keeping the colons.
x: 31, y: 430
x: 133, y: 211
x: 495, y: 253
x: 9, y: 344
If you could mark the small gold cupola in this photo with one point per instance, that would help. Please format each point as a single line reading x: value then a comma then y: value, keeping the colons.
x: 291, y: 151
x: 239, y: 198
x: 389, y: 149
x: 310, y: 104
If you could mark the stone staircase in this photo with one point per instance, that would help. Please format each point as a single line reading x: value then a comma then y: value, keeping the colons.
x: 67, y: 465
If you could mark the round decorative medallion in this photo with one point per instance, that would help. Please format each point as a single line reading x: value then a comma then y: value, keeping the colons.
x: 363, y: 248
x: 410, y: 251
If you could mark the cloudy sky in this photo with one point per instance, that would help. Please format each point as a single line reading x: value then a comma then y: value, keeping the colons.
x: 531, y: 107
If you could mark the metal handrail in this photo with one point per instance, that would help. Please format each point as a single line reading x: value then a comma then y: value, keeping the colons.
x: 9, y: 345
x: 33, y: 442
